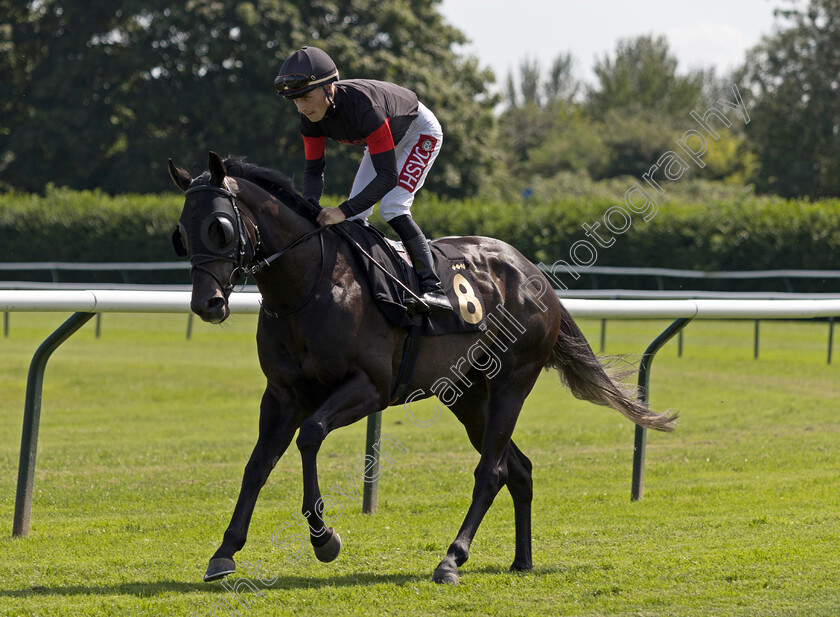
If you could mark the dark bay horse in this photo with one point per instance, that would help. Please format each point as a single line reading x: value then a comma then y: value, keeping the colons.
x: 330, y: 357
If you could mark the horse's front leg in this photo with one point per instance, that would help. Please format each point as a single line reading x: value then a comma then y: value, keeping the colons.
x: 278, y: 424
x: 353, y: 400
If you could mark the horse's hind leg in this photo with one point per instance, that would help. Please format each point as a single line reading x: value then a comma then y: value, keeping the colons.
x: 470, y: 409
x: 521, y: 490
x: 504, y: 405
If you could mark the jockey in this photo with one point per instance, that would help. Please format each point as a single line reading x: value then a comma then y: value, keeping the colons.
x: 401, y: 137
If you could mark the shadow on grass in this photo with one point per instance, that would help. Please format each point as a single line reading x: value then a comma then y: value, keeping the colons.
x: 145, y: 590
x: 156, y: 588
x: 537, y: 571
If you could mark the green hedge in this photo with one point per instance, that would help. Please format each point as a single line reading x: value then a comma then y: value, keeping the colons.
x: 751, y: 233
x: 65, y: 225
x: 755, y: 233
x: 747, y: 233
x: 89, y: 226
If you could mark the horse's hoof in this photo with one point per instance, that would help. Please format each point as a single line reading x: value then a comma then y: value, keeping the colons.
x: 330, y: 550
x: 521, y: 567
x: 219, y: 567
x: 445, y: 576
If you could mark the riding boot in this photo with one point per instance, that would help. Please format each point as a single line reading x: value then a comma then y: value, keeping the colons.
x: 430, y: 288
x: 421, y: 258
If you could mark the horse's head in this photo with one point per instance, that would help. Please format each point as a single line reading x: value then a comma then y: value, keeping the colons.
x: 213, y: 234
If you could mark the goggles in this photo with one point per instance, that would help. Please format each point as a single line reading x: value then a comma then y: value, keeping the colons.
x: 294, y: 81
x: 289, y: 84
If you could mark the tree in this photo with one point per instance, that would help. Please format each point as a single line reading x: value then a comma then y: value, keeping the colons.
x: 643, y: 76
x: 575, y: 144
x: 99, y: 94
x: 528, y: 92
x: 561, y: 86
x: 542, y: 109
x: 639, y: 101
x: 794, y: 130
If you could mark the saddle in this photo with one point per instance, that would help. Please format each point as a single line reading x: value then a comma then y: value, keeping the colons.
x: 395, y: 287
x: 392, y: 277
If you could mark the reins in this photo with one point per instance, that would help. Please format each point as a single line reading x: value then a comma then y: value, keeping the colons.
x: 260, y: 264
x: 344, y: 234
x: 265, y: 263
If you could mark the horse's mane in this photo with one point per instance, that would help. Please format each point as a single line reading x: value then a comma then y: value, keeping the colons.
x: 273, y: 182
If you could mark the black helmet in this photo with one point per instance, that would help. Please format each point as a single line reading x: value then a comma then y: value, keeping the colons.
x: 305, y: 70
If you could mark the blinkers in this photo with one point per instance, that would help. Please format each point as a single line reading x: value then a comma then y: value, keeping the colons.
x: 213, y: 230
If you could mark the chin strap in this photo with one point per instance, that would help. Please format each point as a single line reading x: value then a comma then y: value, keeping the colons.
x: 329, y: 96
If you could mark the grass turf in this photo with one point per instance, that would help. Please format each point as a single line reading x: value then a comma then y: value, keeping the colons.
x: 144, y: 436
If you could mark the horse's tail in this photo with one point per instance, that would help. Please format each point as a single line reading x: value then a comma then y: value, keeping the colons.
x: 586, y: 377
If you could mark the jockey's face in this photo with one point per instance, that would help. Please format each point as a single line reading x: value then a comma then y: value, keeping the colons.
x: 314, y: 104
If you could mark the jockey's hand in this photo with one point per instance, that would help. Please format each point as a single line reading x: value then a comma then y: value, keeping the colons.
x: 330, y: 216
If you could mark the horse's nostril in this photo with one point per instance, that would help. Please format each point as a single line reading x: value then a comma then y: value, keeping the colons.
x: 212, y: 310
x: 214, y: 304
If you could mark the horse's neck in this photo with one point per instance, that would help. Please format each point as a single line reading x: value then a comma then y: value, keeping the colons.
x: 279, y: 225
x: 285, y: 284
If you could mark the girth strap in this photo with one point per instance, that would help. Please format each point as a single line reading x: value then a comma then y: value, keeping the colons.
x: 409, y: 359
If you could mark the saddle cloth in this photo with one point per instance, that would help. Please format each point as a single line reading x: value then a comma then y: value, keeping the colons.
x: 396, y: 304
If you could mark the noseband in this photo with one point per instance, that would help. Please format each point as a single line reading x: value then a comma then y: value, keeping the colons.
x: 245, y: 254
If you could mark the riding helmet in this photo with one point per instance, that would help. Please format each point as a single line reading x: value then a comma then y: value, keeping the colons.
x: 306, y: 69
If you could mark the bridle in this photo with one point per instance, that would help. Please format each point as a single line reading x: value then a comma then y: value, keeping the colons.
x: 230, y: 221
x: 244, y: 254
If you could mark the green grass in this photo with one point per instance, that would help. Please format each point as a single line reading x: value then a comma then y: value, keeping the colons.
x: 144, y: 436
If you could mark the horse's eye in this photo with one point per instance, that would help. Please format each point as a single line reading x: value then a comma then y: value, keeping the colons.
x: 219, y: 235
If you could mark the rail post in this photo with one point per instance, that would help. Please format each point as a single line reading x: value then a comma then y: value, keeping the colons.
x: 32, y: 419
x: 637, y: 488
x: 603, y: 336
x: 370, y: 495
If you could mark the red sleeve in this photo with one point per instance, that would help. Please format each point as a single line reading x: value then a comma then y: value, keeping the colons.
x: 313, y: 147
x: 381, y: 139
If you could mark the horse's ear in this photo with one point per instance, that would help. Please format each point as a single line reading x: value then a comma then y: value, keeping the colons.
x: 179, y: 176
x: 217, y: 169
